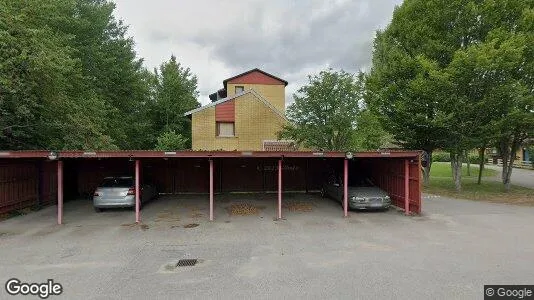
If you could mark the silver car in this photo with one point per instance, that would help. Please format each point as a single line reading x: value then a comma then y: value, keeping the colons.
x: 116, y: 192
x: 363, y: 196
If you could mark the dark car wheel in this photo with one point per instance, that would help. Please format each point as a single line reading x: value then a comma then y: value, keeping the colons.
x: 98, y: 210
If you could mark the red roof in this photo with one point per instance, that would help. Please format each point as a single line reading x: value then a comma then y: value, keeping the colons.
x: 200, y: 154
x: 255, y: 76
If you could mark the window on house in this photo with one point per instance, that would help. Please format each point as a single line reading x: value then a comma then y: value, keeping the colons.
x: 225, y: 129
x: 239, y: 89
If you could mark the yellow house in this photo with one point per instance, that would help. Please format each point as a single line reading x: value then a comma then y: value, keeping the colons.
x: 246, y: 115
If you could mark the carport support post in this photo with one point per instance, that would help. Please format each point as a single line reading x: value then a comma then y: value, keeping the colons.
x: 137, y: 191
x: 60, y: 192
x: 211, y: 189
x: 345, y: 187
x: 406, y: 187
x: 280, y: 189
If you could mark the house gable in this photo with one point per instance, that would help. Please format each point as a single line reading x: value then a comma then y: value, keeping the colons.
x: 255, y: 76
x: 256, y: 95
x: 255, y: 120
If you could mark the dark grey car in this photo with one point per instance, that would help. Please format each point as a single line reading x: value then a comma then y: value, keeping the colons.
x: 120, y: 192
x: 362, y: 196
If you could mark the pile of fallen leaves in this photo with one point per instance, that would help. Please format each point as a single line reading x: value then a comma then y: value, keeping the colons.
x: 192, y: 225
x: 243, y: 209
x: 298, y: 206
x: 135, y: 225
x: 167, y: 216
x: 196, y: 213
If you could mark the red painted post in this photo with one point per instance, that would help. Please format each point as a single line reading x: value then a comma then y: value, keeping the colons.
x: 406, y: 187
x: 59, y: 192
x: 137, y: 192
x: 211, y: 189
x: 279, y: 189
x: 346, y: 188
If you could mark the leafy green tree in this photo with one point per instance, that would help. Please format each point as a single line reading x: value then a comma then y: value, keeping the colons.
x: 509, y: 44
x: 69, y: 78
x: 175, y: 90
x: 403, y: 87
x: 44, y: 101
x: 324, y: 113
x: 112, y: 70
x: 455, y: 75
x: 170, y: 140
x: 491, y: 80
x: 369, y: 134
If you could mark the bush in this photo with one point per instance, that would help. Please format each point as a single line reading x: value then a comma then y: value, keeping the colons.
x: 474, y: 159
x: 440, y: 156
x: 170, y: 140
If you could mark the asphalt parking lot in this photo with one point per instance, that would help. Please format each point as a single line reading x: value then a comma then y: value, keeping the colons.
x: 449, y: 252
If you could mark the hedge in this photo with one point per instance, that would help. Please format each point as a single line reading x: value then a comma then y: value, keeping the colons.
x: 440, y: 156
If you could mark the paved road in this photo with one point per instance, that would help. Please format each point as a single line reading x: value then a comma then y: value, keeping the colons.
x: 520, y: 177
x: 449, y: 252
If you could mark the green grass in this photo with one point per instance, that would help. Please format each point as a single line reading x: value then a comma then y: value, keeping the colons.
x: 441, y: 183
x: 443, y: 169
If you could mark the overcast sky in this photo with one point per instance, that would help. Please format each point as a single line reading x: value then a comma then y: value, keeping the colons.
x: 287, y: 38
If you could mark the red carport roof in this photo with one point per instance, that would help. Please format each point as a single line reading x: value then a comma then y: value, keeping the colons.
x: 201, y: 154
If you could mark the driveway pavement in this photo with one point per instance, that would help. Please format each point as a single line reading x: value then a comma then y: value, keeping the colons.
x: 449, y: 252
x: 520, y: 177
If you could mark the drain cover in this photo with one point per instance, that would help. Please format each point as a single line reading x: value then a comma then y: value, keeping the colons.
x: 187, y: 262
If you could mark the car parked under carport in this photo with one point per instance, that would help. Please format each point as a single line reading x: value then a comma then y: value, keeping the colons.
x: 208, y: 173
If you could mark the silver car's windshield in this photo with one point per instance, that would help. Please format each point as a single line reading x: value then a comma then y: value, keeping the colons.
x: 363, y: 182
x: 117, y: 182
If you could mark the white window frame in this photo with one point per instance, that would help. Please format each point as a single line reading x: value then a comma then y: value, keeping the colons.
x: 218, y: 132
x: 239, y: 86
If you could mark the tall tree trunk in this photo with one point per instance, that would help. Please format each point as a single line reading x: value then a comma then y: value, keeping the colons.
x: 426, y: 169
x: 456, y: 166
x: 508, y: 150
x: 504, y: 155
x: 507, y: 173
x: 468, y: 163
x: 481, y: 153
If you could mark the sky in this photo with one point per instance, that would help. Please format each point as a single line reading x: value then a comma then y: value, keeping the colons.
x: 290, y: 39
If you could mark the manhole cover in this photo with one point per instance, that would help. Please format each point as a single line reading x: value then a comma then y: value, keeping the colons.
x: 187, y: 262
x: 191, y: 225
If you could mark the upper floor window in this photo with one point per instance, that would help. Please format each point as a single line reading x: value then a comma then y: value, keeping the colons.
x: 225, y: 129
x: 239, y: 89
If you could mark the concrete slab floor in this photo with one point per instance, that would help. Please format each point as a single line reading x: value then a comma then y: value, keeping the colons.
x: 449, y: 252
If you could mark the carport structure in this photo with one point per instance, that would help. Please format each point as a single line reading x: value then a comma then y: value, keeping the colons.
x: 43, y: 177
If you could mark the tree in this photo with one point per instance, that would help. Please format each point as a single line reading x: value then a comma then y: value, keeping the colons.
x: 175, y: 93
x: 510, y: 43
x: 171, y: 140
x: 405, y: 87
x: 324, y: 113
x: 456, y: 75
x: 69, y: 78
x: 112, y: 71
x: 369, y: 134
x: 44, y: 100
